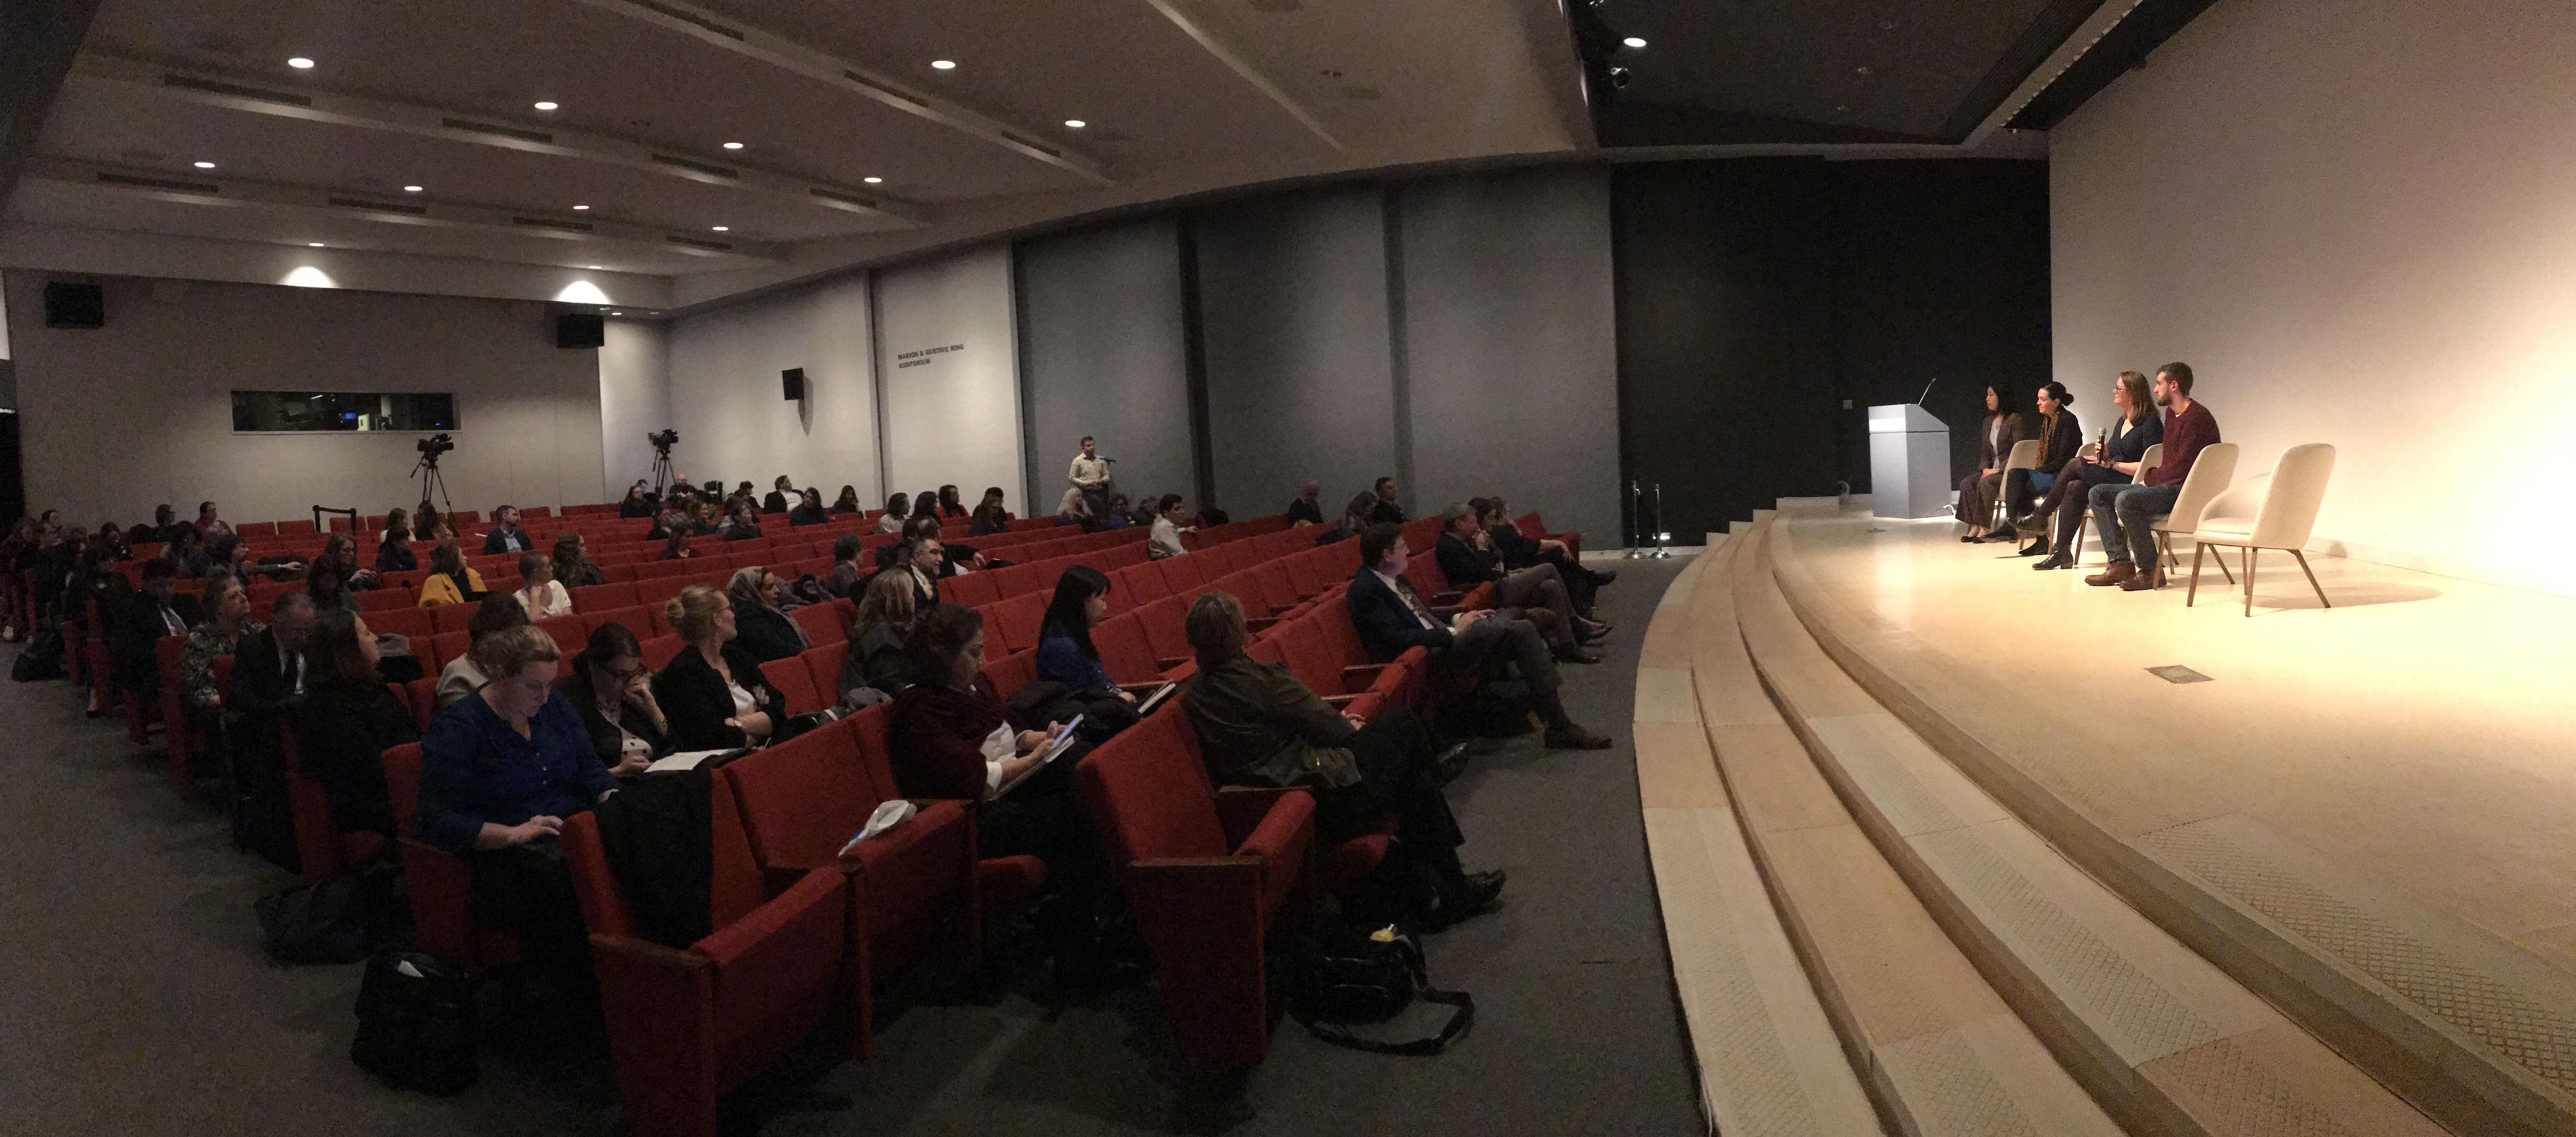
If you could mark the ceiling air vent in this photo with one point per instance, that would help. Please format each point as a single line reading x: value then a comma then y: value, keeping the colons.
x: 843, y: 198
x: 551, y: 223
x: 694, y: 243
x: 378, y: 206
x: 159, y: 183
x: 691, y: 18
x: 521, y: 133
x: 211, y: 87
x: 708, y: 168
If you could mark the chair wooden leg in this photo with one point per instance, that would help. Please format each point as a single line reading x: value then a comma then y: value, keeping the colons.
x: 2312, y: 577
x: 2220, y: 559
x: 2078, y: 554
x: 2193, y: 593
x: 2249, y: 580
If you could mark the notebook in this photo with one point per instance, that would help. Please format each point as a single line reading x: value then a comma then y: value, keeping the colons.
x: 1056, y: 744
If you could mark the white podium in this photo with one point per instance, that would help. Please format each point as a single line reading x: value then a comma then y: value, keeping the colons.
x: 1909, y: 462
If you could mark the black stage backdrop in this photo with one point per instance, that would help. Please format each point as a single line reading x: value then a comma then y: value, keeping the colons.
x: 1758, y: 296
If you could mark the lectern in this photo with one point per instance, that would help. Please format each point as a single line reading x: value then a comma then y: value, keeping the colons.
x: 1909, y: 462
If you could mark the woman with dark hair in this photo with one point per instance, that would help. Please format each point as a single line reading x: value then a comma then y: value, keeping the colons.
x: 572, y: 563
x: 2115, y: 462
x: 848, y: 502
x: 449, y: 581
x: 1257, y: 725
x: 425, y: 520
x: 1355, y: 520
x: 809, y: 509
x: 2060, y: 436
x: 873, y: 669
x: 925, y: 504
x: 713, y: 691
x: 952, y: 738
x: 676, y: 546
x: 760, y: 626
x: 949, y: 506
x: 348, y: 720
x: 989, y: 517
x: 742, y: 521
x: 539, y: 592
x: 329, y: 580
x: 393, y: 554
x: 1065, y: 654
x: 891, y: 521
x: 635, y: 504
x: 1995, y: 437
x: 609, y: 684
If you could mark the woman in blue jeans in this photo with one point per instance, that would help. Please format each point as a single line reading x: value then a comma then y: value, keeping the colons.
x: 2060, y: 436
x: 2130, y: 435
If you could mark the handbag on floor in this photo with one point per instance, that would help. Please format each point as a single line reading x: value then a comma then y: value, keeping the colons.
x: 1349, y: 977
x: 416, y: 1025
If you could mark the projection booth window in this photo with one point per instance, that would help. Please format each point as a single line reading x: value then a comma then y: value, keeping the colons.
x: 341, y: 410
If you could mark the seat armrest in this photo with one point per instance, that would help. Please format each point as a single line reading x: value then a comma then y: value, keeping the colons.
x: 1169, y: 662
x: 1240, y: 809
x: 1284, y: 830
x: 809, y: 911
x: 1340, y: 700
x: 1260, y: 623
x: 1363, y: 673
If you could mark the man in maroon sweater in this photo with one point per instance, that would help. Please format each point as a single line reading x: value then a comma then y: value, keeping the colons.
x: 2126, y: 514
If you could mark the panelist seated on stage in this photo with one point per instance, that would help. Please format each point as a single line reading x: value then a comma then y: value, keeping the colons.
x: 2060, y: 436
x: 1995, y: 438
x: 1473, y: 650
x: 2114, y: 463
x: 2126, y: 515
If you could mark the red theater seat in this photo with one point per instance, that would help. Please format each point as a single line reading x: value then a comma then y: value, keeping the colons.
x: 825, y: 623
x: 440, y: 886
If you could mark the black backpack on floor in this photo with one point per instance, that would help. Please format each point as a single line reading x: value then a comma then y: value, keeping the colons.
x: 416, y: 1026
x: 1348, y: 976
x: 41, y: 659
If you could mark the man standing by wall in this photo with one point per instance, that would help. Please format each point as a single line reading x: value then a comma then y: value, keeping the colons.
x: 1090, y: 474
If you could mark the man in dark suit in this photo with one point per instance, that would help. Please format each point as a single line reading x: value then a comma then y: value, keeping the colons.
x: 1468, y: 558
x: 156, y: 611
x: 782, y: 495
x: 1473, y: 650
x: 1386, y: 511
x: 269, y: 678
x: 506, y: 536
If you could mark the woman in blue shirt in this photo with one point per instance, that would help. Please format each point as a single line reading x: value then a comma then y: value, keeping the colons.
x: 1065, y: 654
x: 500, y: 770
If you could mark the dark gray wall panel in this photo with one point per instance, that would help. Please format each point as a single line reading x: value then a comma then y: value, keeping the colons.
x: 1511, y: 344
x: 1102, y: 353
x: 1300, y: 384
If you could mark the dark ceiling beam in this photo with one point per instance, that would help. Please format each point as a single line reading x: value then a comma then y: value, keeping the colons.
x: 2123, y: 49
x: 2055, y: 24
x: 38, y: 39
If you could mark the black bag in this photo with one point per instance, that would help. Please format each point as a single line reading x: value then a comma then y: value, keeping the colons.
x: 341, y: 920
x: 41, y: 659
x: 416, y: 1023
x: 1352, y: 977
x: 1045, y: 701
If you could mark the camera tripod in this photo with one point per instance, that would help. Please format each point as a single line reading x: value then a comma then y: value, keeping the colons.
x: 661, y: 469
x: 431, y: 479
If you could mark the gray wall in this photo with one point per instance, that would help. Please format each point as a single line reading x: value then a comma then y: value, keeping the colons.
x: 724, y: 394
x: 1102, y: 352
x: 1300, y: 375
x: 1509, y: 348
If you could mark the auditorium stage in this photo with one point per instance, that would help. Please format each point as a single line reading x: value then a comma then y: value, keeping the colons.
x: 2367, y: 813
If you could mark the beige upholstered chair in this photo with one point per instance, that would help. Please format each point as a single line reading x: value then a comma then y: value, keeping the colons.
x: 2154, y: 457
x: 2209, y: 476
x: 2275, y: 511
x: 2024, y: 456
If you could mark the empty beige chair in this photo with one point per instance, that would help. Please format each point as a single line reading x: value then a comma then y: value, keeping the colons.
x: 2275, y: 511
x: 2153, y: 458
x: 2209, y: 475
x: 2024, y: 456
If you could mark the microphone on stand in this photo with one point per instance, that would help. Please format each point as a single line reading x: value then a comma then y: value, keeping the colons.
x: 1927, y: 390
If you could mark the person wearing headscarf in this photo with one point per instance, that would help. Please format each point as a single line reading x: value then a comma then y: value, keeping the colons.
x: 760, y: 627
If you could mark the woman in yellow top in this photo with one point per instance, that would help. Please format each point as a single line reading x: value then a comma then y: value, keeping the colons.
x: 449, y: 581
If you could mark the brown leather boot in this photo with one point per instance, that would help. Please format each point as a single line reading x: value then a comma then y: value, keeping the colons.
x: 2153, y: 577
x: 2117, y: 572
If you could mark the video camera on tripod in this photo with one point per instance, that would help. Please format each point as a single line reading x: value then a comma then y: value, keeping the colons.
x: 663, y: 440
x: 431, y: 481
x: 433, y: 446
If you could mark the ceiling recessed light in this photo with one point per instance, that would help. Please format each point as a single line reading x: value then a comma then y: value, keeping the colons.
x: 733, y: 146
x: 617, y: 313
x: 943, y: 64
x: 546, y: 106
x: 722, y: 228
x: 581, y: 207
x: 1076, y: 123
x: 411, y: 189
x: 596, y: 268
x: 872, y: 181
x: 300, y: 63
x: 205, y: 165
x: 313, y: 244
x: 1633, y: 41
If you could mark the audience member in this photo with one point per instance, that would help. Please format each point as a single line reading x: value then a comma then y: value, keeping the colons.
x: 809, y: 509
x: 781, y: 495
x: 848, y: 502
x: 1065, y: 653
x: 1257, y: 725
x: 926, y: 504
x: 1995, y: 437
x: 922, y: 559
x: 671, y: 516
x: 764, y: 630
x: 1521, y: 551
x: 1467, y: 556
x: 449, y: 580
x: 209, y: 524
x: 952, y: 738
x: 741, y: 523
x: 185, y: 553
x: 111, y: 542
x: 1355, y: 520
x: 506, y: 536
x: 499, y: 772
x: 165, y: 524
x: 272, y: 673
x: 2116, y: 463
x: 152, y: 613
x: 846, y: 573
x: 1120, y: 516
x: 891, y: 521
x: 675, y: 545
x: 713, y: 691
x: 872, y: 669
x: 609, y: 684
x: 635, y: 504
x: 331, y: 579
x: 989, y: 516
x: 1165, y: 540
x: 571, y: 562
x: 2060, y: 436
x: 2125, y: 515
x: 1472, y: 651
x: 1089, y: 476
x: 227, y: 623
x: 1306, y: 510
x: 539, y: 592
x: 461, y: 677
x: 393, y: 554
x: 232, y: 554
x: 1385, y: 511
x: 680, y: 488
x: 348, y: 720
x: 949, y: 506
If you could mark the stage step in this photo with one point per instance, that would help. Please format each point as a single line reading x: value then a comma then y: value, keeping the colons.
x: 1937, y: 1050
x: 2165, y: 1041
x: 2471, y: 1029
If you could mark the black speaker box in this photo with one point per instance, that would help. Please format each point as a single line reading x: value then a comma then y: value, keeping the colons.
x: 69, y: 305
x: 793, y: 381
x: 580, y: 329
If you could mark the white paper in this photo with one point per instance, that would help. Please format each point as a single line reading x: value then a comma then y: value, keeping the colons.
x: 684, y: 760
x: 888, y: 815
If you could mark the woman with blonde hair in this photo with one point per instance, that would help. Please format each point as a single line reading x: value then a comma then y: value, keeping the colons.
x: 872, y: 669
x: 713, y: 692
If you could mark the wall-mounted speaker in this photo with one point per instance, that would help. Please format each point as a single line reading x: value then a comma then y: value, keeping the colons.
x: 580, y: 329
x: 71, y: 305
x: 792, y: 381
